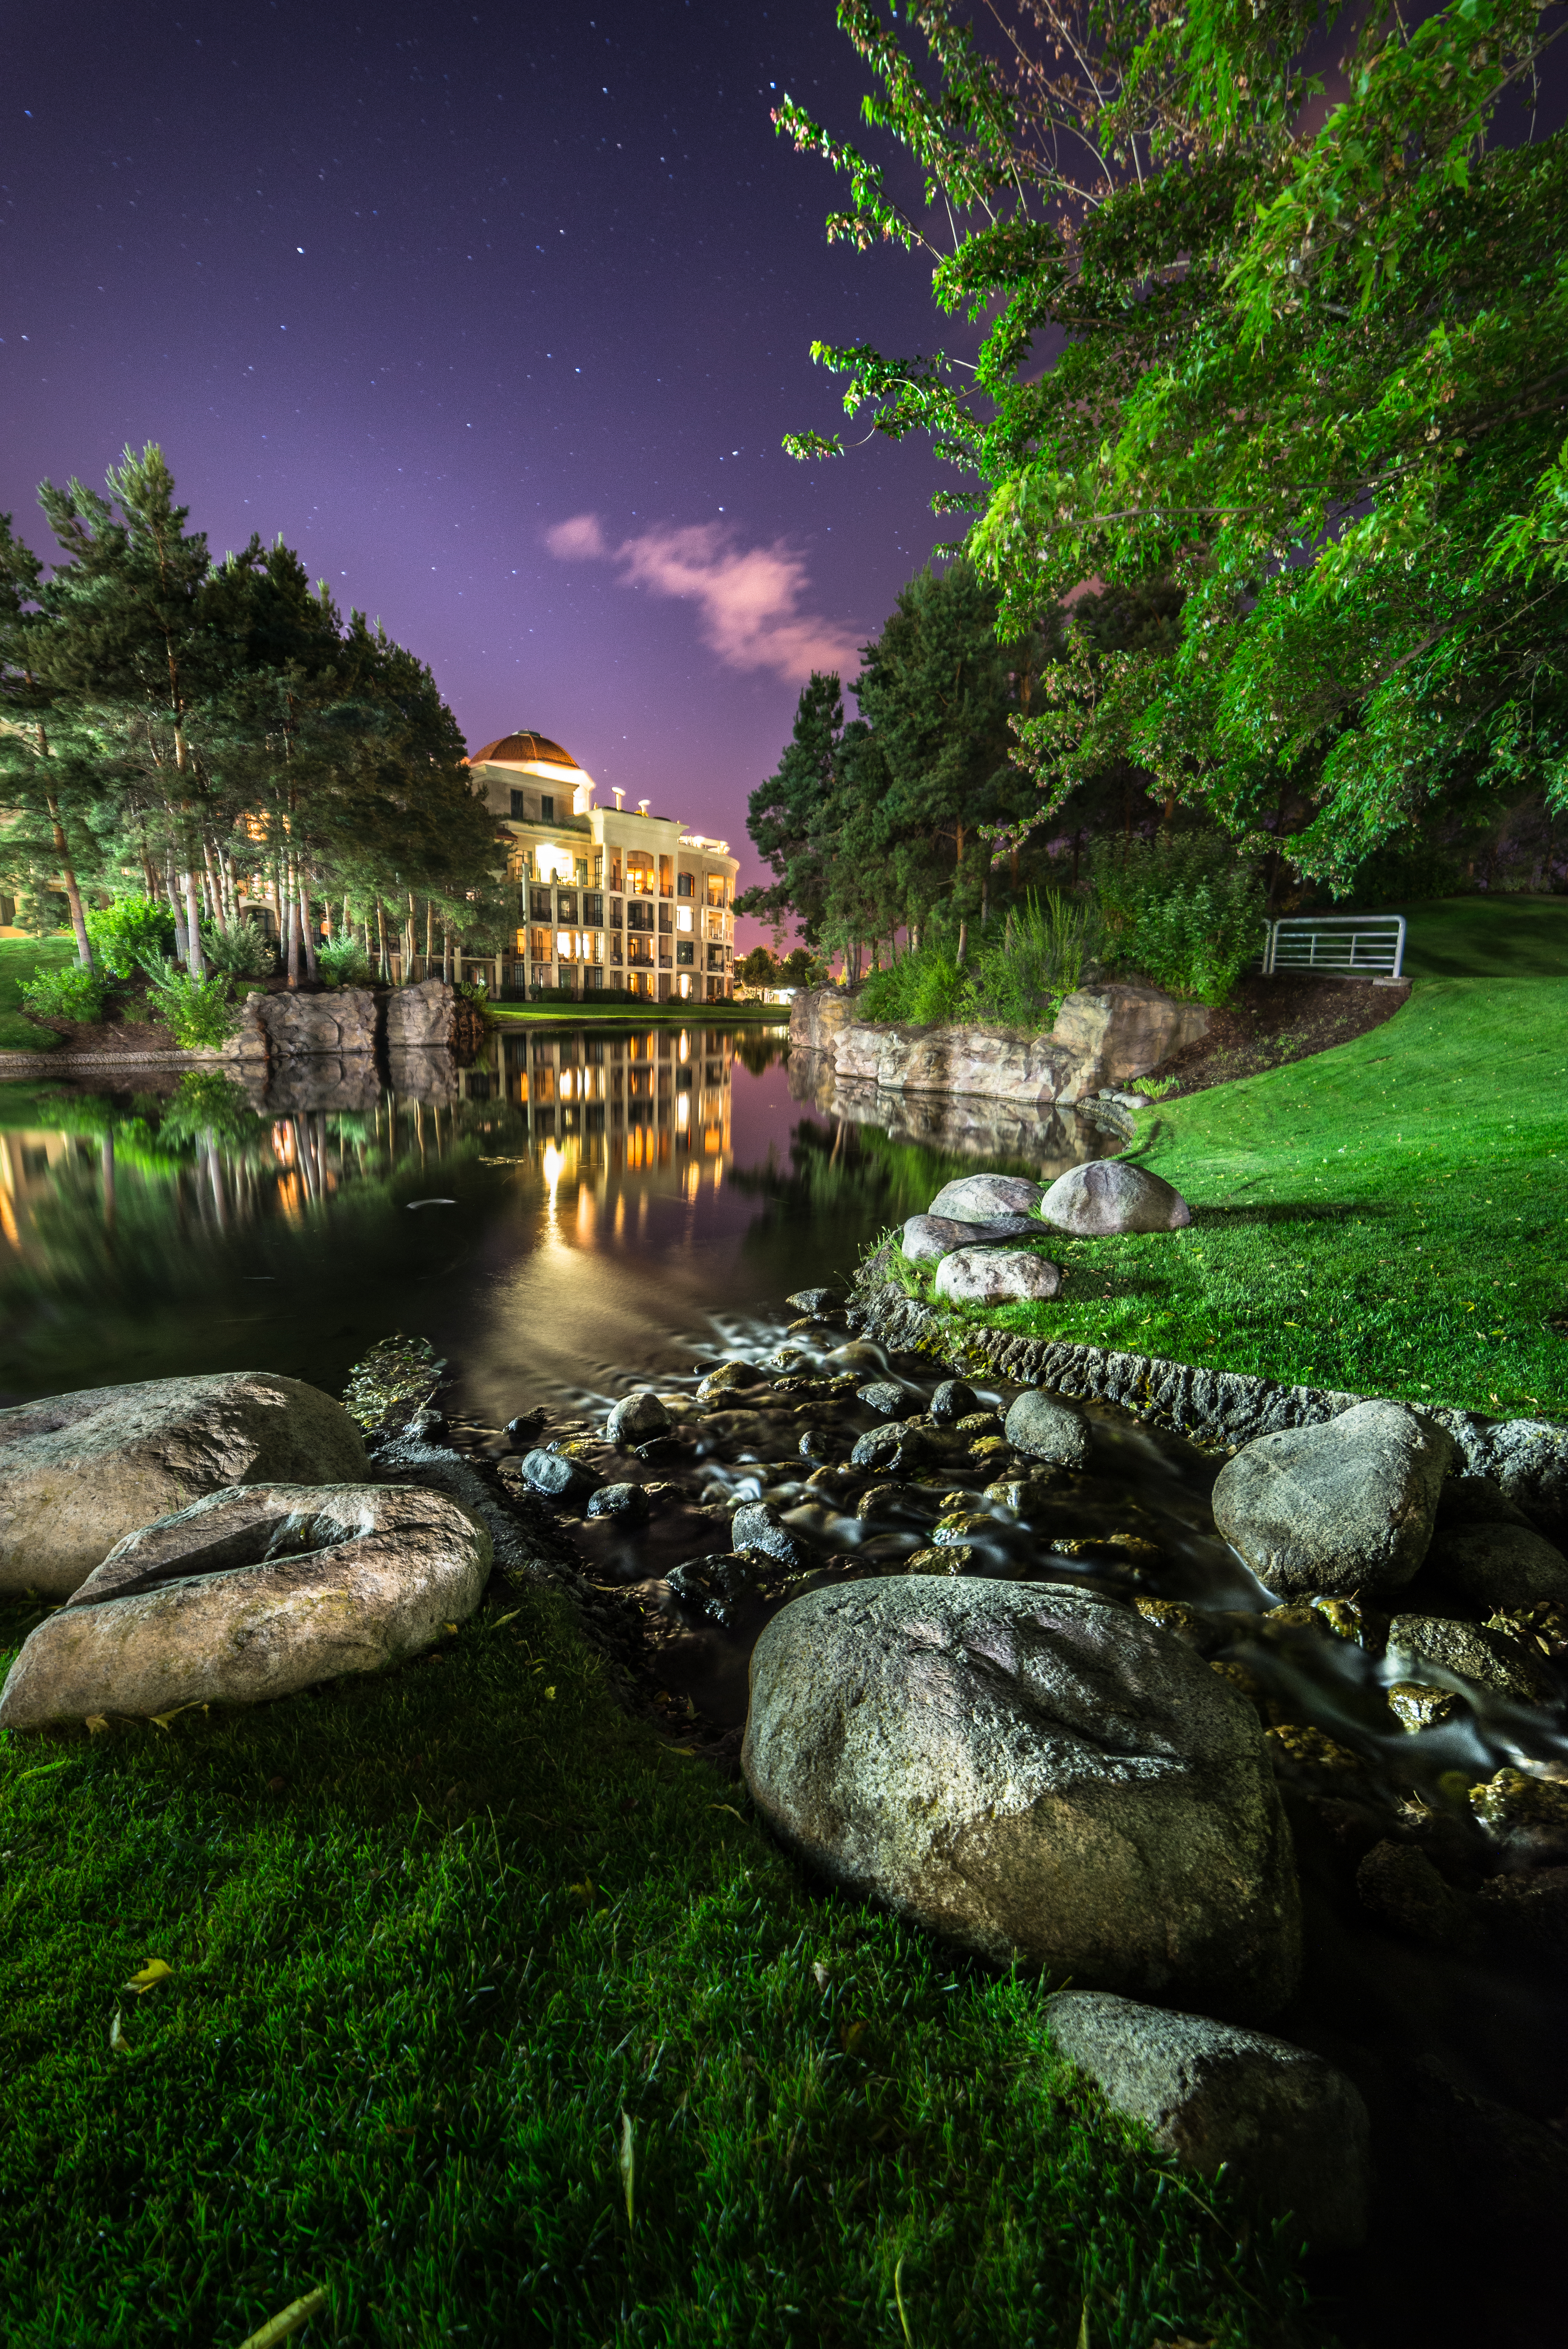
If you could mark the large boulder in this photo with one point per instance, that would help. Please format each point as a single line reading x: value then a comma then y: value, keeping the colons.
x: 79, y: 1471
x: 1049, y: 1429
x: 982, y: 1198
x: 425, y: 1016
x: 1002, y: 1063
x: 251, y: 1593
x: 997, y: 1275
x: 1345, y: 1506
x: 817, y: 1017
x: 927, y: 1238
x: 1292, y: 2133
x: 1028, y: 1770
x: 1116, y: 1032
x: 1487, y: 1659
x: 1109, y: 1195
x: 341, y: 1022
x: 1498, y: 1565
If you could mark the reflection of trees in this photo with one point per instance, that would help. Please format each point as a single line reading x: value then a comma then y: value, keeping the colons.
x: 171, y: 1226
x: 759, y: 1052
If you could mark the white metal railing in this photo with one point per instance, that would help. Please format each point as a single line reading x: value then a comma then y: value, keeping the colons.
x: 1347, y: 945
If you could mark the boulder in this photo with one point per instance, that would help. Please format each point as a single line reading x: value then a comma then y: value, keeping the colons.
x: 927, y: 1238
x: 1399, y: 1885
x: 1475, y: 1501
x: 1028, y: 1770
x: 990, y: 1275
x: 1115, y: 1032
x: 79, y: 1471
x: 425, y: 1017
x: 817, y: 1017
x: 1109, y: 1195
x: 556, y: 1476
x: 345, y: 1083
x: 1002, y: 1063
x: 1488, y: 1660
x: 634, y: 1418
x: 1292, y: 2133
x: 1049, y: 1429
x: 341, y: 1022
x: 423, y: 1074
x: 984, y: 1198
x: 814, y: 1301
x: 251, y: 1593
x: 1498, y: 1565
x: 1527, y: 1459
x: 953, y: 1400
x: 1347, y: 1506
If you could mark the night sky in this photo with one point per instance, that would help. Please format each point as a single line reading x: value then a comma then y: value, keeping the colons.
x: 499, y: 316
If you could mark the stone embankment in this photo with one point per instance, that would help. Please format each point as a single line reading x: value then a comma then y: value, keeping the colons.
x: 353, y: 1025
x: 1103, y: 1037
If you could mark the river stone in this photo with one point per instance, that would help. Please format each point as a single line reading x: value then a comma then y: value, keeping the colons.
x: 1498, y: 1565
x: 1292, y: 2133
x: 1027, y: 1769
x: 927, y: 1238
x: 759, y: 1531
x: 1345, y: 1506
x: 1490, y: 1659
x: 1108, y: 1196
x: 1399, y: 1885
x: 1475, y: 1501
x: 888, y: 1449
x: 981, y: 1198
x: 634, y: 1418
x: 79, y: 1471
x: 556, y: 1476
x: 720, y: 1587
x: 1047, y: 1429
x: 884, y: 1395
x: 989, y: 1276
x: 813, y: 1301
x: 251, y: 1593
x: 727, y: 1379
x: 953, y: 1402
x: 628, y: 1504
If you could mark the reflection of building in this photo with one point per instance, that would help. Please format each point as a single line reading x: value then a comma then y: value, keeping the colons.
x: 646, y: 1099
x: 608, y: 897
x: 29, y: 1166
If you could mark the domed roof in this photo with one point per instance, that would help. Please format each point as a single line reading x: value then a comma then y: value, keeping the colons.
x: 523, y: 748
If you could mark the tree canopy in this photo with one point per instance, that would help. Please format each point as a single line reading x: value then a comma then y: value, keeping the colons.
x: 195, y: 729
x: 1299, y: 356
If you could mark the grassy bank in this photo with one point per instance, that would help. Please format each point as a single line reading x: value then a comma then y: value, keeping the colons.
x: 19, y: 959
x: 438, y: 1940
x: 682, y: 1014
x: 1390, y: 1217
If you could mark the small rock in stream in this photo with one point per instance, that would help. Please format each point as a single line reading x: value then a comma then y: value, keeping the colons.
x: 634, y: 1418
x: 727, y: 1379
x: 718, y: 1586
x: 812, y: 1300
x: 556, y: 1476
x: 1488, y: 1658
x: 628, y: 1504
x: 888, y: 1449
x: 952, y: 1402
x: 1049, y: 1429
x: 522, y: 1430
x: 758, y: 1530
x: 1398, y: 1886
x: 1498, y: 1565
x: 884, y: 1395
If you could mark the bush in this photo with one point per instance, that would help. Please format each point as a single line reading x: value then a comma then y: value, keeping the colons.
x: 131, y: 932
x: 196, y: 1011
x: 927, y: 986
x: 66, y: 992
x: 343, y: 962
x: 244, y: 950
x: 1020, y: 979
x: 473, y: 990
x: 1188, y: 914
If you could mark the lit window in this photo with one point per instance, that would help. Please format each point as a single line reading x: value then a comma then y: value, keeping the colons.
x: 683, y: 917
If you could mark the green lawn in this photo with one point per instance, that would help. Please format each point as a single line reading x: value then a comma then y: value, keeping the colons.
x: 1390, y: 1217
x: 19, y: 958
x: 438, y: 1940
x: 1506, y: 937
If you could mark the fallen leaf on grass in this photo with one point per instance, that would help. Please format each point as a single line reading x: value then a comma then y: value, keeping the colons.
x: 96, y: 1722
x: 550, y: 1693
x: 292, y: 2318
x: 821, y: 1975
x: 730, y: 1807
x: 154, y: 1972
x: 118, y: 2045
x: 162, y: 1720
x: 628, y: 2164
x: 851, y: 2037
x: 500, y: 1619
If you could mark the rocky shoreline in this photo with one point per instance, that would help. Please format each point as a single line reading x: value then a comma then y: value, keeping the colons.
x: 1236, y: 1704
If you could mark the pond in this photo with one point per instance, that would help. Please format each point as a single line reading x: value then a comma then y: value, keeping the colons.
x: 582, y: 1206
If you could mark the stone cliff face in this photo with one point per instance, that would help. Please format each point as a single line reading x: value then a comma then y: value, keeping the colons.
x: 1104, y: 1035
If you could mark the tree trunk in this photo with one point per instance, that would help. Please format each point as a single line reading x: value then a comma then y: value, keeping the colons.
x: 219, y: 911
x: 67, y: 875
x: 447, y: 952
x: 381, y: 938
x: 181, y: 942
x: 429, y: 933
x: 194, y: 958
x: 963, y: 939
x: 291, y: 914
x: 305, y: 928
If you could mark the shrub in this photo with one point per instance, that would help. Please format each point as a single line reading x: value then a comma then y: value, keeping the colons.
x: 244, y: 950
x: 196, y: 1011
x: 1020, y: 979
x: 66, y: 992
x: 1188, y: 914
x: 473, y: 990
x: 927, y: 986
x: 129, y: 934
x: 343, y: 962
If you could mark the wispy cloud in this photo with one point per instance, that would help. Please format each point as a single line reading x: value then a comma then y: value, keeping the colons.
x: 749, y: 598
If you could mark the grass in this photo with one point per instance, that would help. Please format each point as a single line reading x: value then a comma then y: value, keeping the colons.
x: 19, y: 958
x: 438, y: 1939
x: 1505, y: 937
x: 1390, y: 1217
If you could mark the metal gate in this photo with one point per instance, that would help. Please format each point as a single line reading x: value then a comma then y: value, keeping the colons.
x: 1344, y: 946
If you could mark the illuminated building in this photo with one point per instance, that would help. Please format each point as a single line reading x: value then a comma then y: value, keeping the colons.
x: 607, y: 897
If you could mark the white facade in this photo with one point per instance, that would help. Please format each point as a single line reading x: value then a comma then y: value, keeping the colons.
x: 607, y: 897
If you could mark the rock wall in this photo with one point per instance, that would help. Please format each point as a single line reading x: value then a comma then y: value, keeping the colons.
x: 1103, y: 1036
x: 341, y: 1021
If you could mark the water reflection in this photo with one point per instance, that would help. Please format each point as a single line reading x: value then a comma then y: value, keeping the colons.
x: 1039, y: 1142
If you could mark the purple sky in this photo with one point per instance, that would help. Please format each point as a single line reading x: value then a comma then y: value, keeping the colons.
x: 417, y: 286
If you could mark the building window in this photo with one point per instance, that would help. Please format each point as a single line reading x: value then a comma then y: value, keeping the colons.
x: 665, y: 922
x: 715, y: 957
x: 539, y: 905
x: 716, y: 885
x: 596, y: 978
x: 614, y: 868
x: 639, y: 949
x: 683, y: 918
x: 685, y: 950
x: 519, y: 811
x: 639, y: 916
x: 614, y: 946
x: 686, y: 884
x: 594, y: 911
x: 539, y: 947
x: 546, y: 808
x: 566, y: 904
x: 667, y: 876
